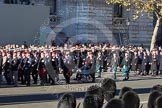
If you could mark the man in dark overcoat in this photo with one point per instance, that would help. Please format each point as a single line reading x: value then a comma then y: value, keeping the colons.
x: 145, y: 60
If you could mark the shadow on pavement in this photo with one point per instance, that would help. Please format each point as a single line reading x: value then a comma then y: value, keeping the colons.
x: 38, y: 98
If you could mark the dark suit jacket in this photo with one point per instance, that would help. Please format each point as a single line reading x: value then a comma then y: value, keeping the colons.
x: 15, y: 64
x: 55, y: 63
x: 7, y: 65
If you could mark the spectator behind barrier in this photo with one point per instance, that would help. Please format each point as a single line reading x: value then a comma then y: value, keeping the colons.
x: 67, y: 101
x: 95, y: 90
x: 158, y: 102
x: 109, y: 88
x: 115, y: 103
x: 124, y: 90
x: 91, y: 102
x: 157, y: 87
x: 131, y: 100
x: 153, y: 96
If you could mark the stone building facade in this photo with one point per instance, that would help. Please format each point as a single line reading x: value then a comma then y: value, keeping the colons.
x: 96, y: 21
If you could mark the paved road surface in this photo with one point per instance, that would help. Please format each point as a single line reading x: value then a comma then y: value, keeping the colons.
x: 48, y: 96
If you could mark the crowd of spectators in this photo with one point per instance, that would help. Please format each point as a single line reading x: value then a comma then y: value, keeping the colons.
x: 104, y: 96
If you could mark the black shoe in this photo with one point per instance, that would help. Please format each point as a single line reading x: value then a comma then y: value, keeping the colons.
x: 27, y: 84
x: 42, y: 84
x: 9, y: 83
x: 93, y: 81
x: 35, y: 83
x: 75, y: 78
x: 52, y: 83
x: 67, y: 82
x: 23, y: 83
x: 127, y: 78
x: 98, y: 77
x: 124, y: 79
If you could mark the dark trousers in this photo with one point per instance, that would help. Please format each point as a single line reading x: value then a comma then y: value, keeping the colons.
x: 154, y: 72
x: 21, y: 76
x: 27, y: 76
x: 105, y: 65
x: 35, y: 76
x: 42, y: 79
x: 67, y: 77
x: 157, y: 72
x: 15, y: 74
x: 148, y: 66
x: 93, y: 77
x: 7, y: 76
x: 51, y: 79
x: 140, y: 69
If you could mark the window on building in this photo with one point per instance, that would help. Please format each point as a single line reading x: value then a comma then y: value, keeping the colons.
x: 117, y: 10
x: 52, y: 4
x: 54, y: 7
